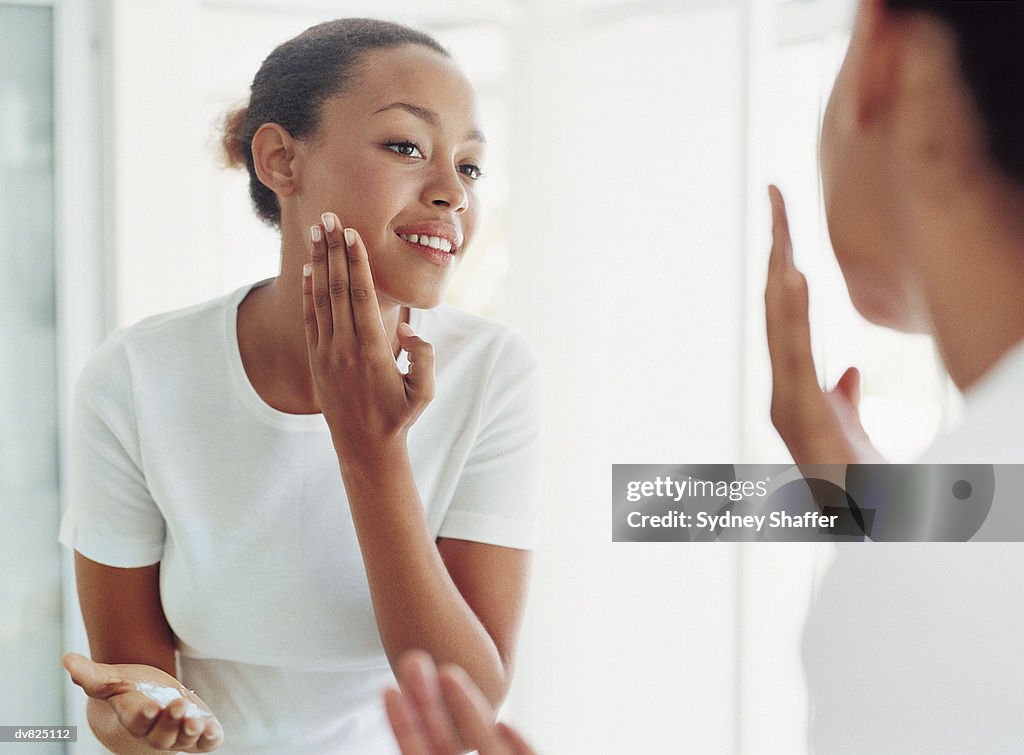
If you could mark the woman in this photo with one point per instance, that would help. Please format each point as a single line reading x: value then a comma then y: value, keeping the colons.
x: 914, y: 647
x: 907, y: 647
x: 278, y: 505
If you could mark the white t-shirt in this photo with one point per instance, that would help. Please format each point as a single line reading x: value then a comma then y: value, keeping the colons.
x: 917, y: 647
x: 175, y: 458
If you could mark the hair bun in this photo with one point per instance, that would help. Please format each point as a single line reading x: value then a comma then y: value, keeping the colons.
x: 233, y: 143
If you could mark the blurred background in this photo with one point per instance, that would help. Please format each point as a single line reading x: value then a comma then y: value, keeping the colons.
x: 627, y: 232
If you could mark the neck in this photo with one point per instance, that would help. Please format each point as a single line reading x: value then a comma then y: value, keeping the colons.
x: 272, y: 340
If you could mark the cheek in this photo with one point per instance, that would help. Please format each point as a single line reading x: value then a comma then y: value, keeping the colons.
x: 826, y: 148
x: 469, y: 227
x: 830, y: 147
x: 838, y: 179
x: 358, y: 187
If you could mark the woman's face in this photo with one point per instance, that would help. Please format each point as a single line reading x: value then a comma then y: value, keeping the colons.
x: 398, y: 157
x: 855, y: 190
x: 859, y: 187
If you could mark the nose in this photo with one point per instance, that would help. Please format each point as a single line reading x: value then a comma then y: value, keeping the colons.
x: 446, y: 188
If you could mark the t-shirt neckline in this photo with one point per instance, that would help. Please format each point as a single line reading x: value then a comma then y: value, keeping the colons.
x: 244, y: 390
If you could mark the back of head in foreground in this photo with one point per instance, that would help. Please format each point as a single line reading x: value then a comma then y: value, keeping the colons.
x: 922, y: 157
x: 923, y: 182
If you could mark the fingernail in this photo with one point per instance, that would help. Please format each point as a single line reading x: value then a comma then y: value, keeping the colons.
x: 307, y: 270
x: 350, y: 236
x: 328, y: 218
x: 405, y: 329
x: 149, y: 713
x: 191, y: 728
x: 314, y: 233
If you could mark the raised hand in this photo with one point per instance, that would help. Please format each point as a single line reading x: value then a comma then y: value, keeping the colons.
x: 151, y: 704
x: 442, y: 712
x: 365, y: 398
x: 818, y: 427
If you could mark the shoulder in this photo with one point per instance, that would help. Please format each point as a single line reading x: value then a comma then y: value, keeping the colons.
x: 181, y: 336
x: 484, y: 363
x: 185, y: 327
x: 989, y: 432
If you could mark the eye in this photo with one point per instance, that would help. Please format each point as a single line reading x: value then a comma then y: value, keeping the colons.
x: 471, y: 171
x: 405, y: 149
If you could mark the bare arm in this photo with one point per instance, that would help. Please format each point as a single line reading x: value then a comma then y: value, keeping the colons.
x: 131, y: 643
x: 460, y: 601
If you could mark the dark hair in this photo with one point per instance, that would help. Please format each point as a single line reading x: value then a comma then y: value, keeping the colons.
x: 295, y: 81
x: 990, y: 45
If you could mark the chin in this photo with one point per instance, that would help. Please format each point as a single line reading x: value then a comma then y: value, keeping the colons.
x: 887, y: 307
x: 427, y: 302
x: 416, y: 299
x: 879, y: 287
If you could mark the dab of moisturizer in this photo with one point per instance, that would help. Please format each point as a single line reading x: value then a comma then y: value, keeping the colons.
x: 166, y: 695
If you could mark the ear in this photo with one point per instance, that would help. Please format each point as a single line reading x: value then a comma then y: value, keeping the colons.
x: 874, y: 60
x: 273, y: 156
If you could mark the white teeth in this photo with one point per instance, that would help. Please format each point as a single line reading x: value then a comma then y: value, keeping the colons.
x: 434, y: 242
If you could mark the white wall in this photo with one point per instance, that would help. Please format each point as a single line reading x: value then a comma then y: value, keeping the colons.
x: 625, y: 273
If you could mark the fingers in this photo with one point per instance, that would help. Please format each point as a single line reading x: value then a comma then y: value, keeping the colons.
x: 336, y: 279
x: 319, y: 297
x: 178, y: 726
x: 419, y: 380
x: 172, y: 730
x: 471, y: 711
x: 782, y: 244
x: 418, y: 678
x: 441, y: 712
x: 362, y: 298
x: 166, y: 731
x: 202, y: 722
x: 406, y: 724
x: 95, y: 678
x: 212, y: 737
x: 786, y: 309
x: 340, y: 299
x: 849, y: 386
x: 308, y: 310
x: 514, y: 740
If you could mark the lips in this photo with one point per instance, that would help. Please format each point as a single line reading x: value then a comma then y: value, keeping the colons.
x: 440, y: 237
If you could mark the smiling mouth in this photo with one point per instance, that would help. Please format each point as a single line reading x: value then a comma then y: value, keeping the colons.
x: 432, y: 242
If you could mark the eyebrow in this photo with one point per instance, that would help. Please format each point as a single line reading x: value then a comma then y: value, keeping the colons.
x: 429, y: 116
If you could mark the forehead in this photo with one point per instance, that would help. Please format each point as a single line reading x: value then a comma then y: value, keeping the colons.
x: 413, y: 74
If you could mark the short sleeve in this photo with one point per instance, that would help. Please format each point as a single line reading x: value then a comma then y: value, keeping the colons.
x: 110, y: 517
x: 498, y: 495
